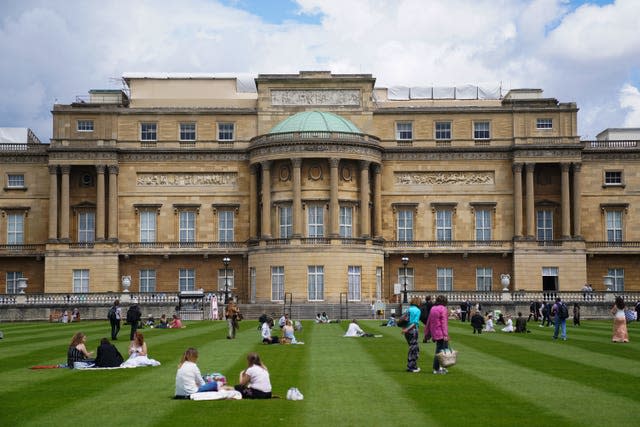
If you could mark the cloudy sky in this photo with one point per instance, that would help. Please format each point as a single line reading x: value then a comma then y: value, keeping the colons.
x: 587, y: 51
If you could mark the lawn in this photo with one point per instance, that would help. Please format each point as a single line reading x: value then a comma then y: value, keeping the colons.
x: 500, y: 379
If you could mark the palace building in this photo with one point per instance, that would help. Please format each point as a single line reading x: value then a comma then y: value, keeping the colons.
x: 317, y: 187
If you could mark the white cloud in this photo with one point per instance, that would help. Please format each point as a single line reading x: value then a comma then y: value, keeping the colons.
x: 630, y: 101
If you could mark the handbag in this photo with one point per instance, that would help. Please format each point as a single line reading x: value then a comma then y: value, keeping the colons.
x: 447, y: 357
x: 403, y: 320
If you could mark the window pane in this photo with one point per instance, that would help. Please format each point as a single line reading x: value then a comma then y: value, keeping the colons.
x: 481, y: 130
x: 346, y: 229
x: 86, y: 227
x: 614, y: 226
x: 545, y: 225
x: 405, y: 225
x: 187, y: 226
x: 14, y: 181
x: 617, y: 276
x: 483, y: 224
x: 225, y: 225
x: 148, y: 131
x: 80, y: 281
x: 406, y: 274
x: 225, y: 131
x: 444, y: 231
x: 404, y: 131
x: 187, y: 131
x: 147, y: 280
x: 15, y: 229
x: 443, y: 130
x: 316, y: 220
x: 148, y: 226
x: 353, y: 291
x: 186, y: 279
x: 544, y: 123
x: 445, y: 279
x: 484, y: 278
x: 315, y: 282
x: 286, y: 223
x: 277, y: 283
x: 85, y: 125
x: 226, y: 277
x: 12, y: 281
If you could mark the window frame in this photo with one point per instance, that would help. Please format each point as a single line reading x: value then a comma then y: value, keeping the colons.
x: 13, y: 177
x: 86, y: 229
x: 285, y: 221
x: 444, y: 231
x: 148, y: 134
x: 354, y: 283
x: 346, y: 222
x: 186, y: 279
x: 482, y: 216
x: 147, y: 280
x: 315, y: 283
x: 403, y: 229
x: 226, y: 231
x: 617, y: 279
x: 220, y: 132
x: 609, y: 181
x: 477, y: 131
x: 183, y: 134
x: 410, y: 277
x: 614, y: 230
x: 15, y: 228
x: 484, y: 275
x: 315, y: 220
x: 81, y: 125
x: 443, y: 130
x: 444, y: 279
x: 277, y: 283
x: 11, y: 281
x: 81, y: 280
x: 144, y: 227
x: 186, y: 232
x: 544, y: 123
x: 231, y: 278
x: 547, y: 226
x: 404, y: 134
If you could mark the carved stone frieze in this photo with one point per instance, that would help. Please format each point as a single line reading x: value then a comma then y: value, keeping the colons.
x: 434, y: 155
x: 445, y: 177
x: 187, y: 157
x: 342, y: 97
x: 82, y: 155
x: 186, y: 179
x: 300, y: 148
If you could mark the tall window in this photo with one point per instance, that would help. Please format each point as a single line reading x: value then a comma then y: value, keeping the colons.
x: 186, y: 279
x: 148, y: 131
x: 12, y: 281
x: 353, y: 289
x: 187, y: 226
x: 286, y: 222
x: 277, y: 283
x: 147, y: 280
x: 617, y: 276
x: 15, y: 228
x: 225, y: 225
x: 148, y: 226
x: 86, y: 227
x: 404, y: 131
x: 406, y: 274
x: 545, y: 224
x: 229, y: 279
x: 378, y: 283
x: 544, y: 123
x: 444, y: 278
x: 81, y: 281
x: 483, y: 224
x: 315, y: 282
x: 481, y: 130
x: 315, y: 216
x: 226, y: 131
x: 484, y: 278
x: 614, y: 226
x: 187, y: 131
x: 346, y: 221
x: 444, y: 230
x: 443, y: 130
x: 15, y: 181
x: 405, y: 225
x: 85, y: 126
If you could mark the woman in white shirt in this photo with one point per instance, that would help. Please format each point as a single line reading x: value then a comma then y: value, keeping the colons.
x: 354, y: 330
x: 254, y: 381
x: 489, y: 324
x: 266, y: 333
x: 189, y: 379
x: 509, y: 325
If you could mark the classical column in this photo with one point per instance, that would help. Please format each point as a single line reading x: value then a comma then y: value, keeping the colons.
x: 53, y: 202
x: 517, y: 199
x: 577, y: 207
x: 113, y: 202
x: 253, y: 202
x: 365, y: 229
x: 531, y: 225
x: 377, y: 200
x: 564, y: 201
x: 334, y: 204
x: 297, y: 197
x: 266, y: 199
x: 100, y: 212
x: 64, y: 203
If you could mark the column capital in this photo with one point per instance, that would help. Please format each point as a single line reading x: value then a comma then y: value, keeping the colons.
x: 266, y: 164
x: 53, y: 169
x: 65, y: 169
x: 577, y: 167
x: 377, y: 168
x: 334, y: 162
x: 296, y: 162
x: 564, y: 167
x: 529, y: 167
x: 113, y: 169
x: 100, y: 168
x: 516, y: 167
x: 364, y: 164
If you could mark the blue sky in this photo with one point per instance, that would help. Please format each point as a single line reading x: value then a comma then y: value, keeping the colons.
x: 580, y: 51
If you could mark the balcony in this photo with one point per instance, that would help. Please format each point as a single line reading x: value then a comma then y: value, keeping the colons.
x: 450, y: 246
x: 548, y: 140
x: 611, y: 145
x: 604, y: 247
x: 22, y: 250
x: 181, y: 248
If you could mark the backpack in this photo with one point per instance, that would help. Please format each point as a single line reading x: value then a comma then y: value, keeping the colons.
x: 111, y: 315
x: 563, y: 311
x: 133, y: 314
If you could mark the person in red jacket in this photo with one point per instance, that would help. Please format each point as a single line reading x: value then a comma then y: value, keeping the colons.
x: 438, y: 330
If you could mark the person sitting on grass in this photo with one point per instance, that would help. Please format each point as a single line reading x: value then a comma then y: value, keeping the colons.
x: 391, y: 321
x: 354, y: 330
x: 488, y: 327
x: 509, y: 325
x: 189, y: 379
x: 254, y: 381
x: 77, y: 355
x: 108, y: 355
x: 150, y: 322
x: 163, y: 324
x: 521, y: 324
x: 288, y: 336
x: 265, y: 332
x: 176, y: 323
x: 138, y: 355
x: 324, y: 318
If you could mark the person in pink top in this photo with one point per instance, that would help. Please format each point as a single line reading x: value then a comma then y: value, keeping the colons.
x: 438, y: 329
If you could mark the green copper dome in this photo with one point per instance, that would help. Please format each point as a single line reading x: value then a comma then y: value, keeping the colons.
x: 315, y: 121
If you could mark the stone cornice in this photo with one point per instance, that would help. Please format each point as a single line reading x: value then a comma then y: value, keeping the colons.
x: 446, y: 155
x: 329, y: 149
x: 154, y: 156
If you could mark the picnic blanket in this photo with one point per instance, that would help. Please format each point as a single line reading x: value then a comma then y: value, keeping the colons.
x: 217, y: 395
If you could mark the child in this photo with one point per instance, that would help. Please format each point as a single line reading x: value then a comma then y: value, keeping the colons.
x: 189, y: 379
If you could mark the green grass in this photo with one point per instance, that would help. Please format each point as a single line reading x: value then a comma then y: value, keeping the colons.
x: 500, y: 379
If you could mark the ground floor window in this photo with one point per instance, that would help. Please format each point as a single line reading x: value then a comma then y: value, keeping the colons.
x: 187, y: 279
x: 12, y: 281
x: 444, y: 278
x: 226, y: 279
x: 354, y: 285
x: 484, y: 278
x: 277, y: 283
x: 81, y: 281
x: 147, y: 280
x: 315, y: 282
x: 617, y: 279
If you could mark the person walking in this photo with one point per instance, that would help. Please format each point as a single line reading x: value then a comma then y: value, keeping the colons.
x: 576, y: 314
x: 425, y: 309
x: 134, y: 314
x: 439, y: 330
x: 232, y: 314
x: 620, y: 332
x: 115, y: 315
x: 560, y: 313
x: 410, y: 332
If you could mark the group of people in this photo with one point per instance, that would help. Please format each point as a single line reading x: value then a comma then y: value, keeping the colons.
x: 107, y: 355
x: 287, y: 330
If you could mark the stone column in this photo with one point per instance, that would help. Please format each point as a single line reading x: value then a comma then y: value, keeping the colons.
x: 113, y: 203
x: 100, y: 205
x: 365, y: 229
x: 377, y: 201
x: 531, y: 224
x: 296, y: 207
x: 334, y: 204
x: 64, y: 203
x: 53, y: 202
x: 564, y: 201
x: 266, y: 199
x: 253, y: 202
x: 577, y: 193
x: 517, y: 199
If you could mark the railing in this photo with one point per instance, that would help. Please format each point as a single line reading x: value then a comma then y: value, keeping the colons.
x: 470, y: 244
x: 315, y: 241
x: 22, y: 249
x: 182, y: 245
x: 547, y: 140
x: 312, y: 135
x: 604, y: 145
x: 604, y: 244
x: 9, y: 146
x: 528, y: 296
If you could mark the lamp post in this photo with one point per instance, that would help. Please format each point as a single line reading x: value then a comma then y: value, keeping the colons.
x: 226, y: 260
x: 405, y: 261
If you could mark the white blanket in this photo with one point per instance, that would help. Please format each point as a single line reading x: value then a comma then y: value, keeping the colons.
x: 217, y: 395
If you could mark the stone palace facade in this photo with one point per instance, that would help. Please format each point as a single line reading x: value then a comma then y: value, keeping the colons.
x: 317, y: 187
